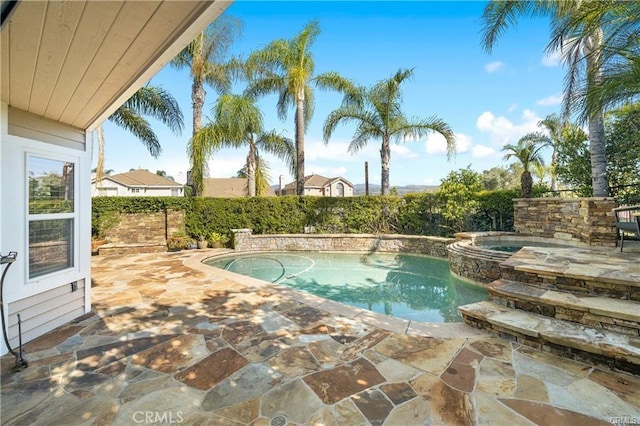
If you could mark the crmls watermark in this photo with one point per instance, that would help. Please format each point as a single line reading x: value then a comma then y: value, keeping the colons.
x: 625, y: 420
x: 155, y: 417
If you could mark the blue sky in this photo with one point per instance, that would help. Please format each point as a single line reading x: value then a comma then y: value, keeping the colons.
x: 488, y: 99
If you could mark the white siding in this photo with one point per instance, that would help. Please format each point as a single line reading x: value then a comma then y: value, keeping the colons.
x: 31, y: 126
x: 45, y: 311
x: 46, y: 301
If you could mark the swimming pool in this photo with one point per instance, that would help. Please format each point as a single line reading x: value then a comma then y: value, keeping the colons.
x: 408, y: 286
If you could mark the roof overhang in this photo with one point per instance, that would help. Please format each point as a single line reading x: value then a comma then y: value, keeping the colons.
x: 77, y: 61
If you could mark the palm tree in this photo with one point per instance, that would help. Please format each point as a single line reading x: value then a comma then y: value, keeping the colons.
x: 554, y: 125
x: 619, y: 53
x: 286, y: 67
x: 238, y: 122
x: 205, y: 57
x: 580, y: 40
x: 263, y: 175
x: 151, y: 101
x: 527, y: 152
x: 378, y: 116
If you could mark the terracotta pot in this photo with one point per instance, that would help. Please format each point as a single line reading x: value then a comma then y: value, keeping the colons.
x: 96, y: 243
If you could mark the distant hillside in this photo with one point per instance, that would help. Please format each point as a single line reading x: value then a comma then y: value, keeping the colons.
x: 374, y: 189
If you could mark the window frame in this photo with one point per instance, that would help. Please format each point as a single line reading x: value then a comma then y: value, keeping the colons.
x: 74, y: 215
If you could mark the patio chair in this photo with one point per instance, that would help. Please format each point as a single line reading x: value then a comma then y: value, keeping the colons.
x: 627, y: 221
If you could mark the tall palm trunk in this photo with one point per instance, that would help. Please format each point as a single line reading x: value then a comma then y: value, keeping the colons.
x: 597, y: 145
x: 526, y: 183
x: 100, y: 161
x: 197, y: 98
x: 300, y: 145
x: 554, y: 163
x: 252, y: 160
x: 385, y: 159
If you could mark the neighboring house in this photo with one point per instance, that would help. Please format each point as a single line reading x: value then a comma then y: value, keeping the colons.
x: 136, y: 183
x: 228, y: 188
x: 65, y: 67
x: 320, y: 186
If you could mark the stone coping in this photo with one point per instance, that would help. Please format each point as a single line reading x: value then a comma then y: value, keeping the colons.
x: 518, y: 237
x: 336, y: 236
x: 385, y: 322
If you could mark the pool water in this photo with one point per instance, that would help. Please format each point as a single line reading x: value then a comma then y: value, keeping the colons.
x: 408, y: 286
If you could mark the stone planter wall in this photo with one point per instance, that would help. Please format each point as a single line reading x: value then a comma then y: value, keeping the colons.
x: 588, y: 221
x: 244, y: 240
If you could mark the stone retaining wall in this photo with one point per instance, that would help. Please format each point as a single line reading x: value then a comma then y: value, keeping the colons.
x: 475, y: 263
x: 142, y: 232
x: 244, y: 240
x: 587, y: 221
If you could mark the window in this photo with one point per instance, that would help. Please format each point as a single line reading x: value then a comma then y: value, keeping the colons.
x: 340, y: 189
x: 135, y: 190
x: 51, y: 215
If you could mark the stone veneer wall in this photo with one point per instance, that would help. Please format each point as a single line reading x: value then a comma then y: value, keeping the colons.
x: 143, y: 232
x: 582, y: 221
x: 475, y: 263
x: 244, y: 240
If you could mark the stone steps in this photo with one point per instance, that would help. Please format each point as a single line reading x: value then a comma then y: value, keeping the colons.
x: 581, y: 271
x: 578, y: 341
x: 622, y: 316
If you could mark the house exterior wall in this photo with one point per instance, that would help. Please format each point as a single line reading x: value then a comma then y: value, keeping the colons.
x: 50, y: 299
x: 333, y: 191
x: 115, y: 189
x: 318, y: 192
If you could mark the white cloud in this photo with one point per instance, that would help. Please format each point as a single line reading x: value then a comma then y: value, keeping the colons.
x: 494, y: 66
x: 550, y: 100
x: 481, y: 151
x: 436, y: 143
x: 403, y: 151
x: 552, y: 59
x: 338, y: 150
x: 512, y: 107
x: 224, y: 166
x: 502, y: 131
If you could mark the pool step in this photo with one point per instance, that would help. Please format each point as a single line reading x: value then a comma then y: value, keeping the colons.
x: 621, y: 316
x: 578, y: 341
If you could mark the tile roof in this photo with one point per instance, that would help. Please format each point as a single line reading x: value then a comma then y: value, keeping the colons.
x: 142, y: 177
x: 315, y: 181
x: 228, y: 187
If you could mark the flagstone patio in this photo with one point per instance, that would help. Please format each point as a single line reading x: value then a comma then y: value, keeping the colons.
x: 172, y: 341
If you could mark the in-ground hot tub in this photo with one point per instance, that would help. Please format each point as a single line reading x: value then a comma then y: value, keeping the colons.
x: 477, y: 255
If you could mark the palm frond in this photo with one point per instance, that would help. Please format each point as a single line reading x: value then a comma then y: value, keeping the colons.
x: 419, y: 128
x: 133, y: 122
x: 282, y: 147
x: 156, y: 102
x: 498, y: 16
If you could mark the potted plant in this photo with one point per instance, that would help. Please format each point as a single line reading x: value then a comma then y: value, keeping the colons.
x: 179, y: 241
x: 217, y: 240
x: 202, y: 242
x: 101, y: 224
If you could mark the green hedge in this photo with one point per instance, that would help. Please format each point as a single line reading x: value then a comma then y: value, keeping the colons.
x: 412, y: 214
